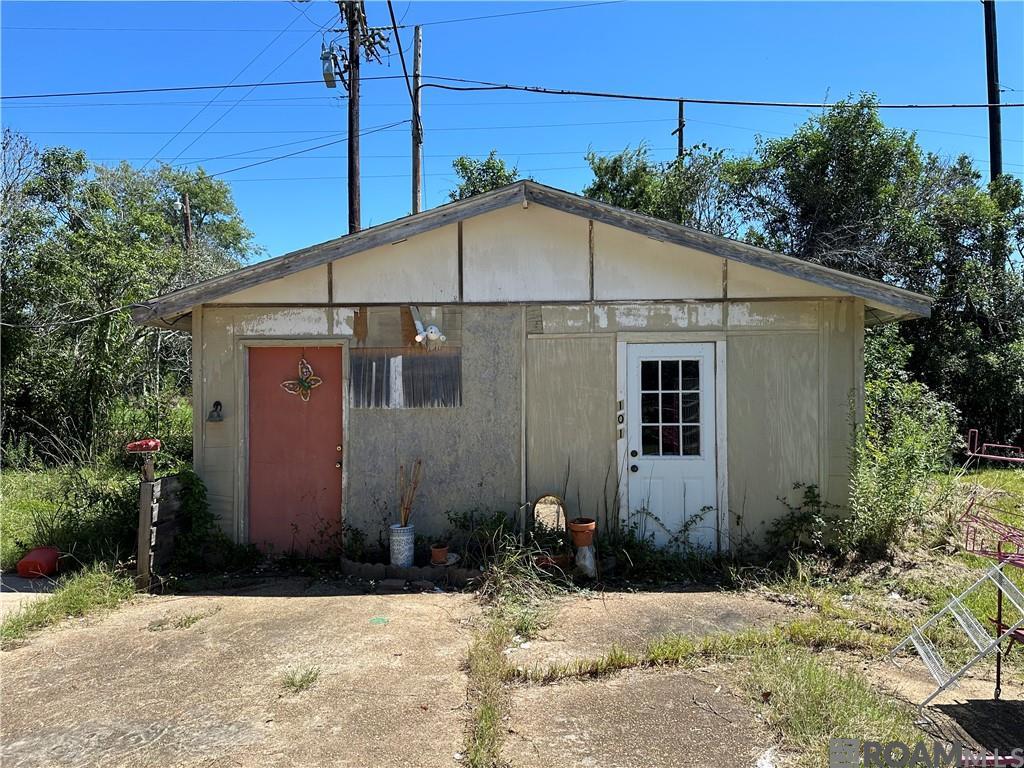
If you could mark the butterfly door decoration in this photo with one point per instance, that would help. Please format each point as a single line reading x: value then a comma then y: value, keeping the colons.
x: 306, y: 382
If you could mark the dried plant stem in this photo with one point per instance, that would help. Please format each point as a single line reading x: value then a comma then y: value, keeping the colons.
x: 407, y: 487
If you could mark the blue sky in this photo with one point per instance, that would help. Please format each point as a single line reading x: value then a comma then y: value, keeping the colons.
x: 915, y: 51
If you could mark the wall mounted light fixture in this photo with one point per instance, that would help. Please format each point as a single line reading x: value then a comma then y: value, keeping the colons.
x: 217, y: 412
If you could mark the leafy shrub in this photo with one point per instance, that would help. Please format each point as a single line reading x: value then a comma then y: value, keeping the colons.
x: 638, y: 557
x: 805, y: 526
x: 203, y: 546
x: 908, y: 434
x: 478, y: 534
x: 168, y: 418
x: 95, y: 517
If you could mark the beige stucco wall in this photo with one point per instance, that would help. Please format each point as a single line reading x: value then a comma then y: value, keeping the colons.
x: 471, y: 454
x: 794, y: 382
x: 570, y: 422
x: 794, y: 373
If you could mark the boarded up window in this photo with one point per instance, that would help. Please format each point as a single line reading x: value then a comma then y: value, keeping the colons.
x: 403, y: 377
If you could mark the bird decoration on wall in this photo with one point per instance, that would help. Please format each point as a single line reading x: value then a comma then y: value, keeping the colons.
x: 306, y: 382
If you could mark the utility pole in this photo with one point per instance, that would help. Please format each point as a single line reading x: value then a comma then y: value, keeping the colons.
x: 351, y: 12
x: 417, y: 125
x: 681, y: 145
x: 995, y: 126
x: 185, y: 208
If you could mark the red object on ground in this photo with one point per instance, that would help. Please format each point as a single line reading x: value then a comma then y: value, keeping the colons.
x: 41, y: 561
x: 149, y: 445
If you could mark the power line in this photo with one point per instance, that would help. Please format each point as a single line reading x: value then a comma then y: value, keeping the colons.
x: 401, y: 53
x: 218, y: 94
x: 307, y: 149
x: 523, y: 126
x: 484, y: 85
x: 513, y: 13
x: 170, y: 89
x: 335, y: 103
x: 256, y: 29
x: 248, y: 93
x: 258, y: 149
x: 59, y: 323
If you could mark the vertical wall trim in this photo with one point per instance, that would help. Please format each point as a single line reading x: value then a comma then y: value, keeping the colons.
x: 722, y: 447
x: 622, y: 474
x: 826, y: 321
x: 330, y: 283
x: 590, y: 247
x: 858, y: 359
x: 459, y: 251
x: 346, y: 398
x: 198, y: 392
x: 522, y: 407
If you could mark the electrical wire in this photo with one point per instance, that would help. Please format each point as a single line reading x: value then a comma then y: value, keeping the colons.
x: 401, y: 53
x: 217, y: 95
x: 170, y: 89
x: 367, y: 132
x: 485, y: 85
x: 522, y: 126
x: 248, y: 93
x: 251, y: 29
x: 60, y: 323
x: 512, y: 13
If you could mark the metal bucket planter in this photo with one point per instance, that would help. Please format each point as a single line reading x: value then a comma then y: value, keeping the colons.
x: 403, y: 538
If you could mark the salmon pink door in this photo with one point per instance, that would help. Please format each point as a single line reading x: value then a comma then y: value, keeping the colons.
x: 295, y: 402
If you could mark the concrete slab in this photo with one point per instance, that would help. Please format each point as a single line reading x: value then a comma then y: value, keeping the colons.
x: 586, y: 627
x: 197, y: 681
x: 16, y: 591
x: 637, y: 719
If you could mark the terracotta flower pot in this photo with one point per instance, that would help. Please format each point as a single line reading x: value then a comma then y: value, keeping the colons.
x: 439, y: 554
x: 582, y: 530
x: 552, y: 561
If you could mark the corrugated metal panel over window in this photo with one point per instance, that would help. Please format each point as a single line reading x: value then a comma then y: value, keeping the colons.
x: 406, y: 377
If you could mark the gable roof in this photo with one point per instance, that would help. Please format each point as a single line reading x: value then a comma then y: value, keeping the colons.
x: 179, y: 302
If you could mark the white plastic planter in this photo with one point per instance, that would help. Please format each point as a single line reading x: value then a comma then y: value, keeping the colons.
x: 402, y: 540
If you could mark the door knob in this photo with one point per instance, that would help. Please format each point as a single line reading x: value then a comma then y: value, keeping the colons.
x: 337, y: 464
x: 634, y: 468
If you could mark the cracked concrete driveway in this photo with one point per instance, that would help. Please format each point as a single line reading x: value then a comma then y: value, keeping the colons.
x: 197, y: 681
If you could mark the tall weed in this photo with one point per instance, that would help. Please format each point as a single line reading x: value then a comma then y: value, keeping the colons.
x: 909, y: 434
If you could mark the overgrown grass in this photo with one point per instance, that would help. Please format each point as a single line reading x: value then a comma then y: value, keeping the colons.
x: 91, y: 589
x: 89, y: 511
x: 813, y: 634
x: 26, y: 497
x: 487, y: 666
x: 808, y: 701
x: 300, y: 679
x: 515, y: 591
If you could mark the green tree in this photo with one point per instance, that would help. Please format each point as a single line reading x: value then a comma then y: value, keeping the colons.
x: 834, y: 193
x: 688, y: 190
x: 82, y: 244
x: 478, y: 176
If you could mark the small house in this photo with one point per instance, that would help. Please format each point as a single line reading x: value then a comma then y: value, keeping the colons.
x: 523, y: 342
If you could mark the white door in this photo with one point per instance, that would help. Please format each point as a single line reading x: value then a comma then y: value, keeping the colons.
x: 671, y: 452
